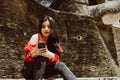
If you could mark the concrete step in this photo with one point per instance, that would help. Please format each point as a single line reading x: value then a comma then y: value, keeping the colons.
x: 86, y: 78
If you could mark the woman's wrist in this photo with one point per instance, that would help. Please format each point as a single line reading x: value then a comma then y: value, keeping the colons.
x: 33, y: 53
x: 50, y: 55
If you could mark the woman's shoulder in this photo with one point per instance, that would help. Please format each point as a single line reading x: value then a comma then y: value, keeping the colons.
x: 35, y: 35
x: 34, y: 38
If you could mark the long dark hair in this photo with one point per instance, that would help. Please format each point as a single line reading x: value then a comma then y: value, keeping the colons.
x: 53, y: 40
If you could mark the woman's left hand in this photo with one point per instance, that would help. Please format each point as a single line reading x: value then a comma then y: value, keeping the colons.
x: 48, y: 54
x: 43, y: 51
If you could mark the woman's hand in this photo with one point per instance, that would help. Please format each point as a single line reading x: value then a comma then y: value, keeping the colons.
x: 46, y: 53
x: 42, y: 52
x: 39, y: 52
x: 35, y: 52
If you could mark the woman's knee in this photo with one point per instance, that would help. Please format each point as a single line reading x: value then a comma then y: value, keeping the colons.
x: 60, y: 65
x: 27, y: 70
x: 40, y: 59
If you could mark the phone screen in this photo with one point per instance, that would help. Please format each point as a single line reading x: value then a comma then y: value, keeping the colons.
x: 41, y: 45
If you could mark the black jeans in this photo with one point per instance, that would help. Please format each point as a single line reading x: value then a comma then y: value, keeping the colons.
x: 29, y: 71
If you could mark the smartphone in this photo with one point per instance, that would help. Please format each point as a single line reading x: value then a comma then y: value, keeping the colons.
x: 41, y: 45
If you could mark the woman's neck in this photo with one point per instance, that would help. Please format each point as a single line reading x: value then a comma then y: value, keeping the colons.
x: 43, y: 38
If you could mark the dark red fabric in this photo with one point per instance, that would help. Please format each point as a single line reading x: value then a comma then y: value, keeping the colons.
x: 28, y: 48
x: 56, y: 60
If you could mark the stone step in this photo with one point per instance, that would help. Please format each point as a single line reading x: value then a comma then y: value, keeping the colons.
x: 86, y: 78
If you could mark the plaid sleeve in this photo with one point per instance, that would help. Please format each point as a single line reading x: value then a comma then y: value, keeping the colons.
x: 28, y: 48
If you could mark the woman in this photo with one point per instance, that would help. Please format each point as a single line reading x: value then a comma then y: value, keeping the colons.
x: 45, y: 62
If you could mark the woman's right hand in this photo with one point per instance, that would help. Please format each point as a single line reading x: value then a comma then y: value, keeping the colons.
x: 35, y: 52
x: 38, y: 52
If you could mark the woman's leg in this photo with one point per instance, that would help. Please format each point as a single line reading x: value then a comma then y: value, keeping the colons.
x: 39, y: 67
x: 50, y: 71
x: 27, y: 71
x: 65, y: 71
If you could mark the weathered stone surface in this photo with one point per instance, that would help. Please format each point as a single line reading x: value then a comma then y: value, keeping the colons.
x: 95, y: 2
x: 76, y: 6
x: 98, y: 12
x: 84, y: 49
x: 116, y: 32
x: 105, y: 31
x: 14, y: 33
x: 107, y: 34
x: 92, y: 78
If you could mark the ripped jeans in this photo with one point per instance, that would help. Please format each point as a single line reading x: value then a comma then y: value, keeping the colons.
x: 29, y: 71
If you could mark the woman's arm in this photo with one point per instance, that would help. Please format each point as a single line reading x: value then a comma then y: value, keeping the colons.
x: 54, y: 60
x: 29, y: 48
x: 56, y: 57
x: 53, y: 57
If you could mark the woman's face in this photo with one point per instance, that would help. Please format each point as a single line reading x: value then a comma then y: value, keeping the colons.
x: 46, y: 29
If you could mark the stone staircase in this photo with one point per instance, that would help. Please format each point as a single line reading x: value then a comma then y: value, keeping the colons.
x: 86, y: 78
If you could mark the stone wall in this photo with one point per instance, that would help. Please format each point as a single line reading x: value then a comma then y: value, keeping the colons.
x: 14, y: 33
x: 85, y: 52
x: 116, y: 32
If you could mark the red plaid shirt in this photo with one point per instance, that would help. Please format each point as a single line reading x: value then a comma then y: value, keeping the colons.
x: 29, y: 47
